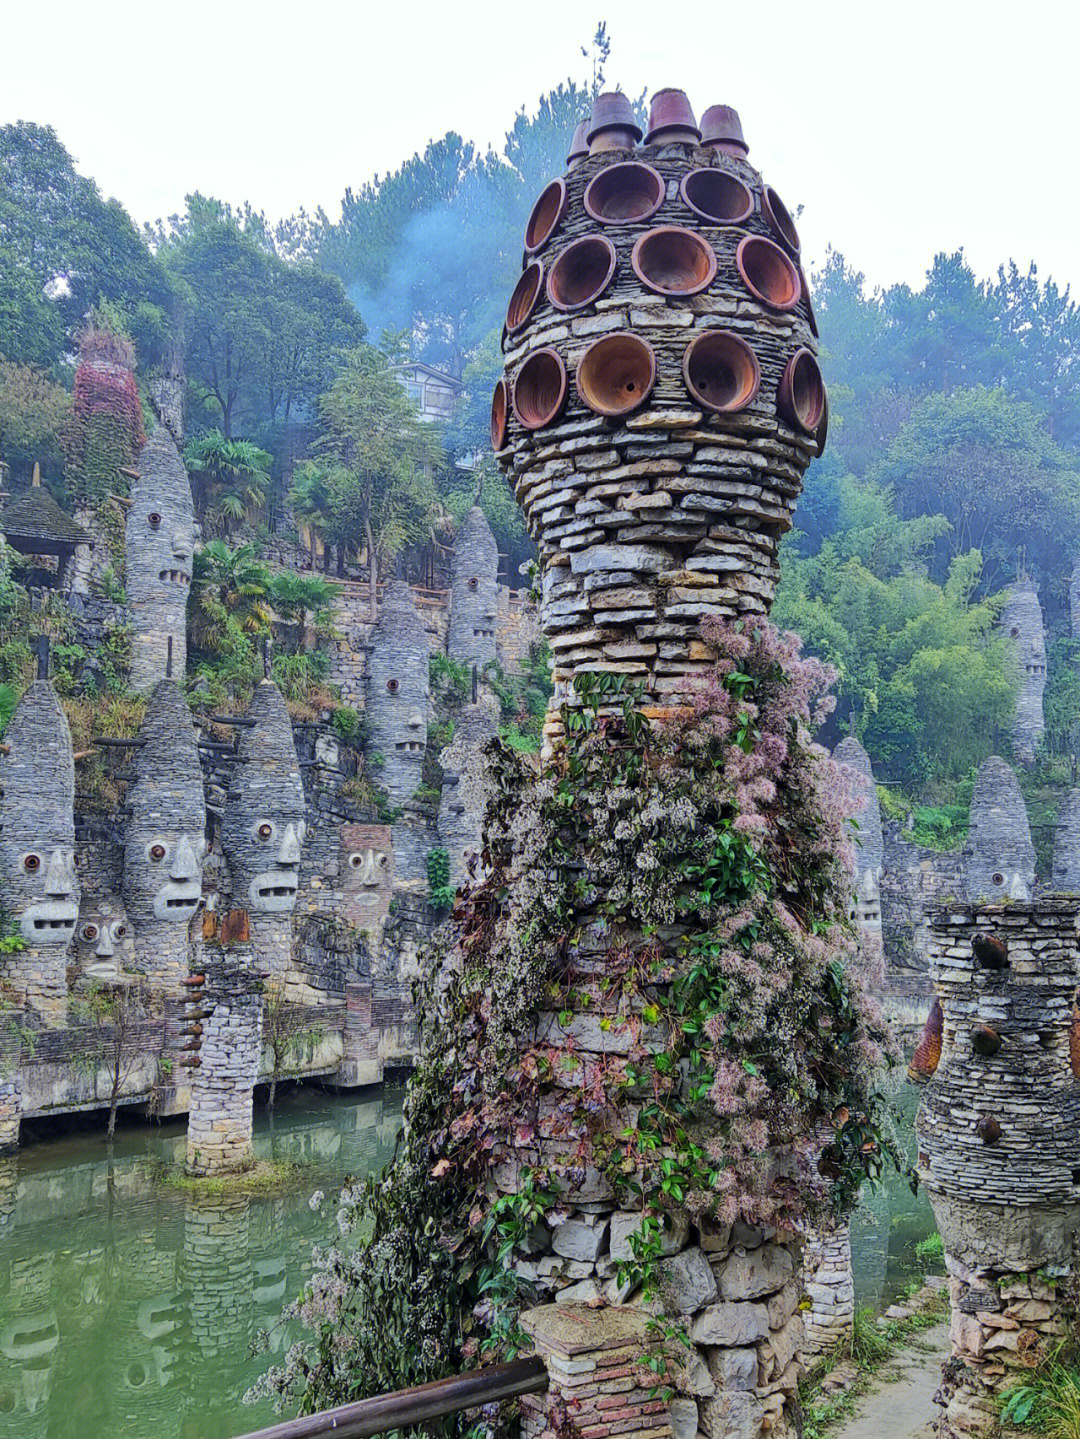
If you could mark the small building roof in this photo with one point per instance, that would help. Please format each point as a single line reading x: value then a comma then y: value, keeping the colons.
x: 34, y: 524
x: 414, y: 366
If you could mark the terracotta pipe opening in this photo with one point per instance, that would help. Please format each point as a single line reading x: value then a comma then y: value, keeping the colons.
x: 721, y: 371
x: 801, y: 396
x: 985, y: 1041
x: 582, y: 273
x: 630, y: 191
x: 540, y: 389
x: 673, y: 261
x: 498, y: 416
x: 526, y: 293
x: 719, y: 198
x: 616, y: 374
x: 546, y: 214
x: 768, y: 273
x: 672, y: 119
x: 780, y: 221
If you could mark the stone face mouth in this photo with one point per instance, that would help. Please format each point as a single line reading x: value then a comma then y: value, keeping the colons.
x: 410, y: 745
x: 489, y: 634
x: 177, y: 899
x: 274, y: 891
x: 174, y: 577
x: 50, y: 922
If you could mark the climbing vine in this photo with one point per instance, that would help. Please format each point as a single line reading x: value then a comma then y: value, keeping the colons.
x: 674, y: 879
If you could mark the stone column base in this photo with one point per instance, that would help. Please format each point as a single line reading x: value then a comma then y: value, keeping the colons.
x: 830, y: 1287
x: 10, y: 1114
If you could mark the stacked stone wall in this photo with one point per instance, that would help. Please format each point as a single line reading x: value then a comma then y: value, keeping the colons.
x: 228, y: 1053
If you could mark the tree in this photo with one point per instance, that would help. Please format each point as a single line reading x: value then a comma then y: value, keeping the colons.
x: 231, y: 478
x: 33, y: 415
x: 288, y: 1034
x: 230, y: 588
x: 380, y: 483
x: 115, y: 1010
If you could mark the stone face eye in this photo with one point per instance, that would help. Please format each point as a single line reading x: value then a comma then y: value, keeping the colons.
x: 32, y: 863
x: 154, y: 519
x: 393, y: 686
x: 356, y: 860
x: 120, y: 931
x: 474, y: 583
x: 157, y: 853
x: 89, y: 931
x: 265, y: 831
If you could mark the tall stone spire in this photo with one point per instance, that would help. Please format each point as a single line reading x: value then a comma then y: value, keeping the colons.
x: 1022, y: 620
x: 999, y: 858
x: 474, y: 582
x: 398, y: 692
x: 1066, y: 874
x: 160, y: 540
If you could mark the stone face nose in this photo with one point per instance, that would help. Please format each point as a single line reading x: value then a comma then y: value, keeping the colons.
x: 369, y: 875
x: 182, y: 545
x: 104, y: 949
x: 184, y: 865
x: 58, y: 878
x: 416, y: 720
x: 289, y: 853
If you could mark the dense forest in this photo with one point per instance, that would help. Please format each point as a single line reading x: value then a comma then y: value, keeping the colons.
x: 954, y: 454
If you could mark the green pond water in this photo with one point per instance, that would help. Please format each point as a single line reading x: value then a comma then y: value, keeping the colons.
x: 128, y: 1307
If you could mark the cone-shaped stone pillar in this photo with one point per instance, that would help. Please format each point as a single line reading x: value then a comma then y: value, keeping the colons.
x: 999, y: 857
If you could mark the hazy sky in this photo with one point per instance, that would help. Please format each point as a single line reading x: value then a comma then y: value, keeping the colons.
x: 904, y: 128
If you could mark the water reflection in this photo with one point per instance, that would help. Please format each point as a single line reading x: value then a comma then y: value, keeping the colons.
x: 129, y: 1308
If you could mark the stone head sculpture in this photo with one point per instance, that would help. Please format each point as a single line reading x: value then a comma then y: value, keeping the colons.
x: 165, y: 841
x: 366, y: 872
x: 473, y: 592
x: 398, y: 692
x: 104, y: 946
x: 264, y: 824
x: 160, y: 539
x: 37, y: 826
x: 999, y: 859
x: 1022, y: 620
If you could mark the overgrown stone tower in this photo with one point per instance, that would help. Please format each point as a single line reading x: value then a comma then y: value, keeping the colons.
x: 999, y: 857
x: 1022, y: 620
x: 398, y: 691
x: 997, y: 1140
x: 474, y: 592
x: 159, y: 544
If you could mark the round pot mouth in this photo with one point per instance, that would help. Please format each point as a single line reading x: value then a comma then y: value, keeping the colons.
x: 546, y: 214
x: 616, y: 374
x: 801, y: 397
x: 540, y: 389
x: 673, y: 261
x: 499, y: 408
x: 768, y: 273
x: 624, y: 193
x: 717, y: 197
x: 526, y: 293
x: 780, y: 221
x: 721, y: 371
x: 582, y: 273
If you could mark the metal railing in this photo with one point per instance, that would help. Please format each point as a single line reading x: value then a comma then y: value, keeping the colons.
x: 406, y: 1407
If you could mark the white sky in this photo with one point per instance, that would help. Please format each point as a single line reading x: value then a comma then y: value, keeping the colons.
x: 904, y: 128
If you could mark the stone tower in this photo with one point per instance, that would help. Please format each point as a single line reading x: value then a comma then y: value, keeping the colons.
x: 263, y: 828
x: 1067, y: 846
x: 160, y: 539
x: 37, y: 851
x: 869, y: 846
x: 1022, y: 620
x: 165, y: 840
x: 398, y: 691
x: 474, y: 584
x: 999, y: 858
x: 661, y: 397
x: 461, y: 804
x: 997, y: 1141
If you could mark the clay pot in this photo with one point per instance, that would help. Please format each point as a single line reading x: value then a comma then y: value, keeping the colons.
x: 988, y: 1129
x: 616, y: 374
x: 622, y: 193
x: 613, y: 125
x: 985, y: 1041
x: 498, y: 416
x: 579, y: 145
x: 722, y: 128
x: 990, y: 951
x: 673, y: 261
x: 194, y: 979
x: 927, y: 1056
x: 780, y: 221
x: 582, y: 273
x: 801, y: 395
x: 717, y: 197
x: 526, y: 293
x: 721, y: 371
x: 540, y: 389
x: 672, y: 120
x: 768, y: 273
x: 811, y: 318
x: 546, y: 214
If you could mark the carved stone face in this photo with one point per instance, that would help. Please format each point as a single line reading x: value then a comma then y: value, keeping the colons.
x: 160, y: 537
x: 473, y: 592
x: 165, y: 841
x: 397, y: 694
x: 103, y: 940
x: 366, y: 872
x: 37, y: 828
x: 264, y: 824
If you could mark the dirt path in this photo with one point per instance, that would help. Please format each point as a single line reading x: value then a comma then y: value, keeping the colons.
x: 900, y: 1404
